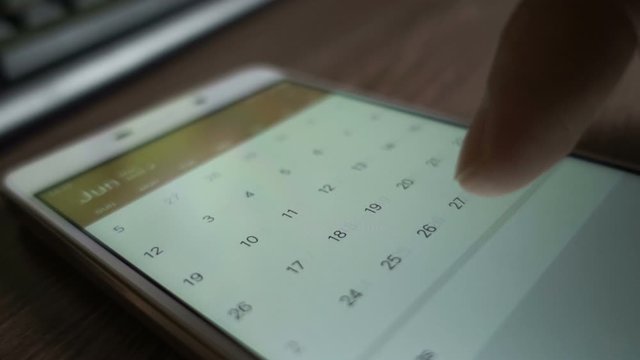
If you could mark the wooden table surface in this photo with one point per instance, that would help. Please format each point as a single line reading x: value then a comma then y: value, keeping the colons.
x: 427, y: 53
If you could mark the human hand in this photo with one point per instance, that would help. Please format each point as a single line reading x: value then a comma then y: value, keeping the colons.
x: 556, y: 64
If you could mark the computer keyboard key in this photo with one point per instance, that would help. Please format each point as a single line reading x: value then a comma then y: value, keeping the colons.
x: 7, y: 30
x: 8, y: 7
x: 48, y: 75
x: 70, y: 37
x: 40, y: 14
x: 85, y: 4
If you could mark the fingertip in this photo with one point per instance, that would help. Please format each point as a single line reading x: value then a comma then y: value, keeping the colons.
x: 480, y: 181
x: 474, y: 145
x: 502, y: 154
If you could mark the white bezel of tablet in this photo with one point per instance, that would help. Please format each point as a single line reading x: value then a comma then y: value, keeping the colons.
x: 199, y: 336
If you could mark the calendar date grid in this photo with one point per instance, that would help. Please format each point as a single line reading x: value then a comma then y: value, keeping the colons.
x: 350, y: 225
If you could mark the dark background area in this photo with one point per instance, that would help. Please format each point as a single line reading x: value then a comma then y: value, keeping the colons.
x: 425, y: 53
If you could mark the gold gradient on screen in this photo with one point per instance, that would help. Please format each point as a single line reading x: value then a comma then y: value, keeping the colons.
x: 102, y: 190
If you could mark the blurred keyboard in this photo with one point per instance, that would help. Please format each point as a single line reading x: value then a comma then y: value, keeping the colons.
x: 55, y: 51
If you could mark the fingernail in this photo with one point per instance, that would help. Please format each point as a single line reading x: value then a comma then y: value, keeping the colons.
x: 467, y: 172
x: 472, y: 150
x: 461, y: 172
x: 465, y: 160
x: 470, y: 159
x: 470, y: 180
x: 462, y: 169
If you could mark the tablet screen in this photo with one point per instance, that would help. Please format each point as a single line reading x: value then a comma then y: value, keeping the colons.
x: 308, y: 224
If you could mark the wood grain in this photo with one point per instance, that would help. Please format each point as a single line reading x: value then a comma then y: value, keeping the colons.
x: 426, y: 53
